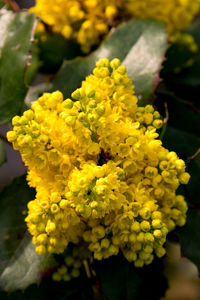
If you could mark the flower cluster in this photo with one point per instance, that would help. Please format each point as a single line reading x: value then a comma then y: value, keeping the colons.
x: 72, y: 264
x: 102, y: 177
x: 185, y: 40
x: 177, y: 14
x: 69, y: 270
x: 87, y: 20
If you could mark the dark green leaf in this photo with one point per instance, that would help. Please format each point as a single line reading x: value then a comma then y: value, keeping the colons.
x: 183, y: 114
x: 53, y: 49
x: 25, y: 267
x: 2, y: 153
x: 183, y: 131
x: 192, y: 188
x: 185, y: 144
x: 20, y: 265
x: 139, y: 44
x: 121, y: 280
x: 15, y: 44
x: 13, y: 203
x: 188, y: 75
x: 177, y: 58
x: 190, y: 237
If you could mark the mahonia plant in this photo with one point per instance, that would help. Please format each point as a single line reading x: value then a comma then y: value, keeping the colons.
x: 87, y: 21
x: 102, y: 177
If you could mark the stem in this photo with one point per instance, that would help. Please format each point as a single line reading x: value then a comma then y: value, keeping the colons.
x: 87, y: 269
x: 194, y: 155
x: 165, y: 122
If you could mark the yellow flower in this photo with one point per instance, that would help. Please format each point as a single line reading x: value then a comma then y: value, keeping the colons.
x: 86, y: 21
x: 103, y: 180
x: 177, y: 14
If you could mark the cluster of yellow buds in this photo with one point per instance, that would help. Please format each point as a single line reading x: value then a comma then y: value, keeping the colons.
x: 177, y: 14
x: 87, y: 21
x: 69, y: 270
x: 148, y: 118
x: 101, y: 175
x: 184, y: 39
x: 70, y: 267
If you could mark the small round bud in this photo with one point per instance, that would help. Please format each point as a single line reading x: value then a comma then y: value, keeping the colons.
x: 156, y: 223
x: 184, y: 178
x: 75, y: 273
x: 51, y: 226
x: 11, y: 136
x: 67, y: 277
x: 69, y: 260
x: 156, y: 215
x: 110, y: 11
x: 62, y: 270
x: 157, y: 233
x: 139, y: 263
x: 103, y: 62
x: 40, y: 249
x: 115, y: 63
x: 145, y: 226
x: 29, y: 114
x: 76, y: 95
x: 56, y: 277
x: 70, y: 120
x: 160, y: 251
x: 54, y: 208
x: 157, y: 124
x: 41, y: 227
x: 16, y: 121
x: 135, y: 226
x: 68, y: 104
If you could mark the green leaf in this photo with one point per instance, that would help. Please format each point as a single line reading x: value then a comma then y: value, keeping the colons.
x: 116, y: 275
x: 25, y: 267
x: 15, y: 44
x: 13, y: 204
x: 182, y: 134
x: 139, y: 44
x: 53, y: 49
x: 121, y: 280
x: 19, y: 264
x: 2, y: 154
x: 190, y: 238
x: 192, y: 188
x: 183, y: 143
x: 188, y: 75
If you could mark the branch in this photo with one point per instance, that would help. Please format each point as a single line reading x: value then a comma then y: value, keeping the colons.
x: 194, y: 155
x: 164, y: 122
